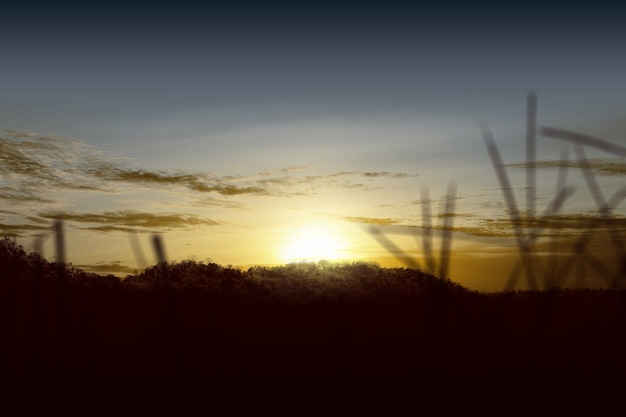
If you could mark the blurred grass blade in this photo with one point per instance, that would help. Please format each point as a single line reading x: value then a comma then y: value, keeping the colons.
x: 589, y: 177
x: 392, y: 248
x: 561, y: 179
x: 446, y: 232
x: 59, y: 241
x: 140, y: 257
x: 580, y: 139
x: 159, y: 250
x: 509, y: 198
x: 531, y: 154
x: 427, y: 234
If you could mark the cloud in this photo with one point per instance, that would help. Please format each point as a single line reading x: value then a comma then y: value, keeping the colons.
x: 480, y: 231
x: 565, y: 224
x: 404, y: 229
x: 370, y: 220
x: 13, y: 160
x: 21, y: 195
x: 34, y: 168
x: 456, y: 215
x: 21, y: 230
x: 388, y: 174
x: 292, y: 185
x: 296, y: 185
x: 604, y: 167
x: 129, y: 220
x: 286, y: 170
x: 104, y: 267
x: 194, y: 182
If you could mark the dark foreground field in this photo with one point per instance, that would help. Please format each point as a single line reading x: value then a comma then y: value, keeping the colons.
x: 312, y: 319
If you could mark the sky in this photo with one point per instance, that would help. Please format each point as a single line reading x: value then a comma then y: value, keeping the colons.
x: 267, y: 134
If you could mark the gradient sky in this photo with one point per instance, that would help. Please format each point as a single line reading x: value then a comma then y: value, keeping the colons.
x: 253, y: 134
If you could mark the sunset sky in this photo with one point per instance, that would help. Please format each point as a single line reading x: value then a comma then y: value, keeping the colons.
x: 261, y: 135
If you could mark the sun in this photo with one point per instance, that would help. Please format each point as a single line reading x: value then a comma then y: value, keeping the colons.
x: 314, y: 243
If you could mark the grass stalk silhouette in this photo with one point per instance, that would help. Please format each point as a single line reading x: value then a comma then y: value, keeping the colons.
x: 427, y: 235
x: 513, y: 210
x: 531, y: 154
x: 446, y: 232
x: 446, y: 227
x: 561, y: 184
x: 140, y: 258
x: 528, y: 229
x: 604, y: 207
x: 440, y: 299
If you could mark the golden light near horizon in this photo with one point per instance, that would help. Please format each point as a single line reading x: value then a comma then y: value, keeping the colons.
x: 312, y: 243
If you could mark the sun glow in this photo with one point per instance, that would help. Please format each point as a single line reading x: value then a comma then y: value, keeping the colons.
x: 314, y: 243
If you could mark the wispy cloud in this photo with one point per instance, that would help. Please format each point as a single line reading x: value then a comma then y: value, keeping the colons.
x: 370, y: 220
x: 40, y: 163
x: 294, y: 185
x: 398, y: 228
x: 22, y: 195
x: 287, y: 170
x: 128, y: 220
x: 563, y: 222
x: 201, y: 183
x: 115, y: 267
x: 564, y: 225
x: 34, y: 168
x: 387, y: 174
x: 605, y: 167
x: 21, y: 230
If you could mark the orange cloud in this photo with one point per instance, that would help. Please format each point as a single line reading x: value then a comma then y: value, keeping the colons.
x: 370, y: 220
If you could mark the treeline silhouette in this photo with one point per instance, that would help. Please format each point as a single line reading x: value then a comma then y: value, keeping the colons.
x: 324, y: 318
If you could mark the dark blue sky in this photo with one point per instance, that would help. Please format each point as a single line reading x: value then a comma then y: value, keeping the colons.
x: 107, y: 73
x: 161, y: 58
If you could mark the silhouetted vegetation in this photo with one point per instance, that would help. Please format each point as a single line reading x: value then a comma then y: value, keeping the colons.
x: 189, y: 318
x: 310, y: 318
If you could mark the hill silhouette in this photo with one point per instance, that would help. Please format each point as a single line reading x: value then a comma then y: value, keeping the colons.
x: 320, y: 318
